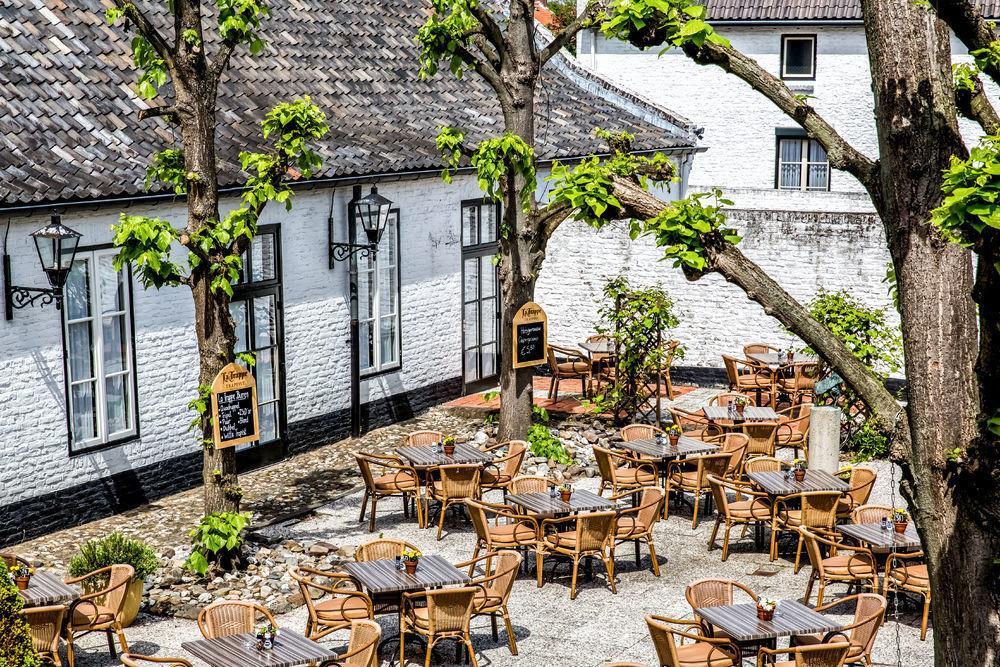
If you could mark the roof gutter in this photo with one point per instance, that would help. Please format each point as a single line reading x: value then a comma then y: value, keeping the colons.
x: 760, y: 23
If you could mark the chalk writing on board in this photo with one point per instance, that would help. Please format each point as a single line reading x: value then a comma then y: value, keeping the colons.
x: 530, y: 335
x: 234, y: 406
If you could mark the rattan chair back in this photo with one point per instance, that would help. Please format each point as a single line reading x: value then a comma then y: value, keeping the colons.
x: 364, y: 465
x: 594, y: 530
x: 480, y: 521
x: 45, y: 626
x: 736, y: 445
x: 529, y: 484
x: 715, y: 593
x: 870, y: 513
x: 765, y: 464
x: 449, y: 609
x: 762, y: 435
x: 120, y: 575
x: 758, y: 348
x: 662, y: 635
x: 231, y: 617
x: 502, y: 569
x: 692, y: 421
x: 719, y: 495
x: 649, y: 506
x: 10, y: 560
x: 605, y: 464
x: 814, y: 549
x: 516, y: 449
x: 729, y: 397
x: 732, y: 374
x: 382, y: 549
x: 819, y: 509
x: 639, y: 432
x: 363, y: 645
x: 460, y: 480
x: 820, y: 655
x: 868, y: 614
x: 421, y: 438
x: 862, y: 482
x: 711, y: 464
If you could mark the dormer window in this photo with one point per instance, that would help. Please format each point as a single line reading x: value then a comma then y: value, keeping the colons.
x: 798, y: 57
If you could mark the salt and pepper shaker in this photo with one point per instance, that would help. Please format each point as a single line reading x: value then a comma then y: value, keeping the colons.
x: 399, y: 563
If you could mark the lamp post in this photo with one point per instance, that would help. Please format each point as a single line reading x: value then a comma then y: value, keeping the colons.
x: 56, y: 246
x: 372, y: 211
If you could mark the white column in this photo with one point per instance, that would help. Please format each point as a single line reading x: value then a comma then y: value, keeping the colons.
x: 824, y: 439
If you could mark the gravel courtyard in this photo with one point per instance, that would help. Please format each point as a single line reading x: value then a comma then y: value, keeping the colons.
x: 551, y: 630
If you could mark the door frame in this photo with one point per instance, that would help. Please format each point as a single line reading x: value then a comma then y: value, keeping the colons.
x: 487, y: 249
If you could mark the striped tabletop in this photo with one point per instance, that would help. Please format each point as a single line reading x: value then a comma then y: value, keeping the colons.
x: 774, y: 359
x: 426, y: 456
x: 45, y: 588
x: 740, y: 621
x: 603, y: 346
x: 542, y: 503
x: 685, y: 446
x: 381, y: 576
x: 751, y: 413
x: 776, y: 484
x: 874, y: 535
x: 290, y: 649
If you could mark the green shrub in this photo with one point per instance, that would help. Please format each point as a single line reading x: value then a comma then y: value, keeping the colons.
x: 112, y: 550
x: 16, y: 649
x: 217, y: 538
x: 543, y: 443
x: 866, y: 443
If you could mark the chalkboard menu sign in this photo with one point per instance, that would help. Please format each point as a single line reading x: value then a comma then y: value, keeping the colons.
x: 530, y: 335
x: 234, y: 407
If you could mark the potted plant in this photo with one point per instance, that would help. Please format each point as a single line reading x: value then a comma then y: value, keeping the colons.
x: 449, y: 446
x: 411, y: 557
x: 799, y: 469
x: 21, y: 574
x: 765, y: 608
x: 900, y: 519
x: 265, y: 634
x: 790, y: 355
x: 112, y: 550
x: 674, y: 432
x: 741, y: 403
x: 565, y: 492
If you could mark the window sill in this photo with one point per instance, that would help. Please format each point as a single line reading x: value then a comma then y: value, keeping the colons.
x: 385, y: 371
x: 99, y: 447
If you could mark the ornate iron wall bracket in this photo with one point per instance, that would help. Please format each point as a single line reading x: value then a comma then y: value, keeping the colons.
x: 21, y: 297
x: 341, y: 251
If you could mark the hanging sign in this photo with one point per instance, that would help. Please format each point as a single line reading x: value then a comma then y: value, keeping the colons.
x: 234, y: 407
x: 530, y: 335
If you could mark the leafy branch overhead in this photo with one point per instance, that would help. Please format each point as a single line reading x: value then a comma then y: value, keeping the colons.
x: 646, y: 23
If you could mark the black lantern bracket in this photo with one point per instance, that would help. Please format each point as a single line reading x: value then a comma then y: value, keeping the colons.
x: 340, y: 251
x: 19, y: 296
x: 373, y: 212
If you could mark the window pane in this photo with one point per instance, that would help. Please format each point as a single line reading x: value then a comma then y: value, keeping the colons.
x: 791, y: 150
x: 791, y: 176
x: 470, y: 220
x: 818, y: 173
x: 116, y: 403
x: 471, y: 324
x: 81, y: 352
x: 798, y: 57
x: 77, y: 295
x: 816, y: 152
x: 471, y: 279
x: 387, y: 290
x: 489, y: 276
x: 387, y: 245
x: 238, y: 309
x: 366, y: 294
x: 264, y: 321
x: 489, y: 359
x: 267, y: 420
x: 387, y: 337
x: 112, y: 286
x: 472, y: 364
x: 365, y: 344
x: 267, y: 379
x: 488, y: 223
x: 114, y: 343
x: 263, y: 262
x: 84, y: 412
x: 487, y: 327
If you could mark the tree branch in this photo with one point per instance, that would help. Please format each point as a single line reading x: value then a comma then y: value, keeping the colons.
x: 148, y: 30
x: 969, y: 25
x: 491, y: 29
x: 487, y: 71
x: 975, y: 105
x: 840, y: 153
x: 218, y: 66
x: 570, y: 31
x: 480, y: 42
x: 550, y: 217
x: 153, y: 112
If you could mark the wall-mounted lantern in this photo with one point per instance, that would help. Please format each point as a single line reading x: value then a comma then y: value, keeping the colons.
x: 56, y: 246
x: 373, y: 212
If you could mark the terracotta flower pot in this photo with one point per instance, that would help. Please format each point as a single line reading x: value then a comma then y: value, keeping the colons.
x: 449, y: 450
x: 565, y: 495
x: 900, y: 526
x: 411, y: 567
x: 765, y: 614
x: 22, y: 582
x: 800, y: 475
x: 674, y: 439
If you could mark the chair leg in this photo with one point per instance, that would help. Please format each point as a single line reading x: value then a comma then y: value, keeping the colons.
x: 809, y: 587
x: 694, y: 519
x: 444, y: 510
x: 493, y: 626
x: 511, y: 640
x: 70, y: 656
x: 609, y: 567
x: 819, y: 593
x: 402, y: 645
x: 475, y: 555
x: 652, y: 555
x: 798, y: 555
x: 472, y: 651
x: 725, y: 542
x: 572, y: 588
x: 774, y: 540
x: 638, y: 557
x: 371, y: 519
x: 121, y: 638
x: 539, y: 564
x: 427, y: 657
x: 364, y: 506
x: 111, y: 642
x: 715, y: 533
x: 923, y: 621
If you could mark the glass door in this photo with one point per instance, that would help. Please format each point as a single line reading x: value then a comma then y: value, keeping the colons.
x: 480, y: 295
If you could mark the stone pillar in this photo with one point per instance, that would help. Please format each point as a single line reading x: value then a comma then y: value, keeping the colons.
x: 824, y: 439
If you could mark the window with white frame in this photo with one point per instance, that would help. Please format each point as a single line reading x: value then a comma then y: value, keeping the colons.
x: 798, y: 56
x: 378, y: 302
x: 99, y: 351
x: 802, y: 165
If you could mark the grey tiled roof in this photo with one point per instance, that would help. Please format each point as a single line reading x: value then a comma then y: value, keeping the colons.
x: 68, y: 126
x: 802, y: 10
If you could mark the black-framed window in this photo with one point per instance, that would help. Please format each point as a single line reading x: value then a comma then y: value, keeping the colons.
x: 800, y: 162
x: 379, y: 321
x: 798, y: 57
x: 480, y: 294
x: 257, y: 315
x: 99, y: 352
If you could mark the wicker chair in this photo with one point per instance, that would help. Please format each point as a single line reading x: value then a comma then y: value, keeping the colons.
x: 793, y: 428
x: 818, y: 510
x: 869, y: 610
x: 10, y: 560
x: 690, y: 475
x: 640, y: 432
x: 398, y: 479
x: 382, y: 549
x: 231, y: 617
x: 668, y: 638
x: 820, y: 655
x: 765, y: 464
x: 497, y: 580
x: 856, y: 567
x: 136, y: 660
x: 600, y: 361
x: 422, y: 438
x: 576, y: 366
x: 693, y: 424
x: 518, y: 531
x: 715, y: 593
x: 345, y: 604
x: 762, y: 437
x: 529, y: 484
x: 666, y: 361
x: 438, y: 614
x: 756, y: 510
x: 622, y: 472
x: 736, y: 445
x: 45, y: 625
x: 101, y: 610
x: 870, y: 513
x: 802, y: 383
x: 592, y: 534
x: 862, y: 481
x: 636, y: 524
x: 911, y: 577
x: 459, y: 482
x: 362, y: 649
x: 749, y: 376
x: 501, y: 471
x: 728, y: 397
x: 759, y: 348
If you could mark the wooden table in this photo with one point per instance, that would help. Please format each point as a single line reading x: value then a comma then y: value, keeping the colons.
x: 290, y: 649
x: 685, y: 446
x: 774, y: 483
x: 542, y: 503
x: 740, y: 621
x: 426, y: 456
x: 879, y: 539
x: 751, y: 413
x: 776, y: 360
x: 45, y: 588
x: 381, y: 576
